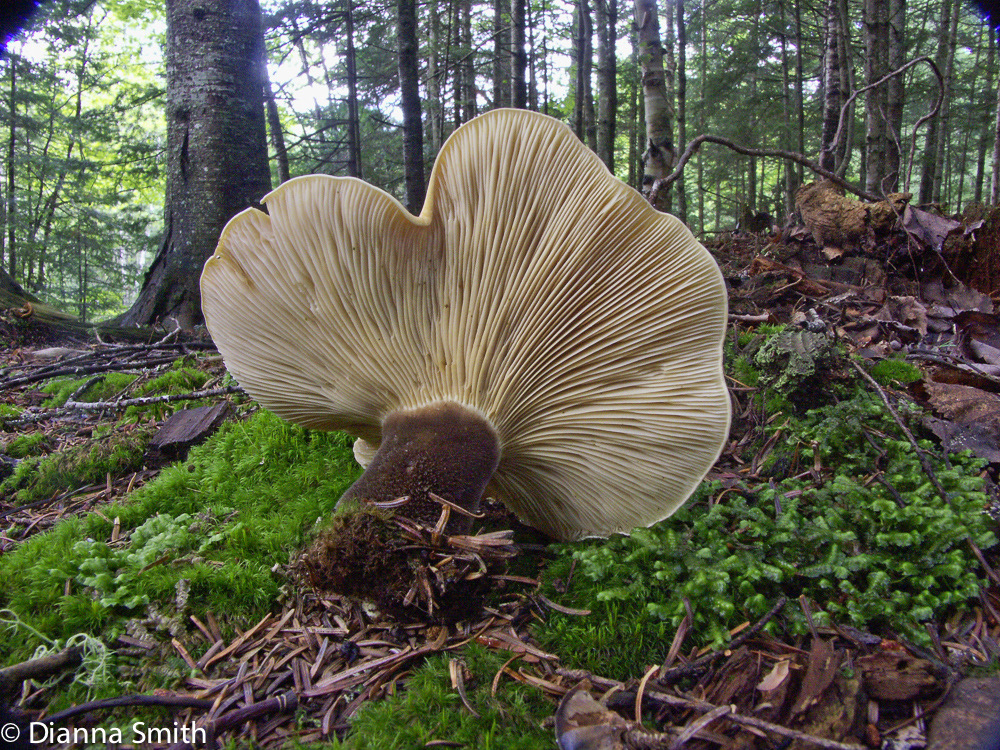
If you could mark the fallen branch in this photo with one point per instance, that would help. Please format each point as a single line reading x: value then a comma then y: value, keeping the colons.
x: 664, y: 182
x: 283, y: 703
x: 11, y: 677
x: 677, y: 701
x: 72, y: 406
x: 129, y: 700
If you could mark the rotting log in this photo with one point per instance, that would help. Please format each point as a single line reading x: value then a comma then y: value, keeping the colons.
x: 837, y: 221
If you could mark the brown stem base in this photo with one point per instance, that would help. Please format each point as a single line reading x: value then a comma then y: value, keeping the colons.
x: 443, y: 449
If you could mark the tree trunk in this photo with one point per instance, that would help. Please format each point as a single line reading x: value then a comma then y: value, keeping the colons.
x: 518, y: 55
x: 354, y: 168
x: 501, y: 45
x: 606, y: 12
x: 995, y: 169
x: 274, y: 128
x: 876, y: 37
x: 895, y: 95
x: 589, y: 113
x: 469, y: 109
x: 681, y: 102
x: 579, y: 56
x: 832, y: 95
x: 660, y: 153
x: 934, y: 127
x: 409, y: 87
x: 991, y: 61
x: 216, y: 147
x: 945, y: 115
x: 11, y: 171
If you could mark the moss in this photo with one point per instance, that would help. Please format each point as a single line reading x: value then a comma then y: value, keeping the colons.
x: 256, y: 489
x: 894, y: 372
x: 886, y: 554
x: 105, y: 387
x: 116, y: 453
x: 24, y: 446
x: 430, y: 709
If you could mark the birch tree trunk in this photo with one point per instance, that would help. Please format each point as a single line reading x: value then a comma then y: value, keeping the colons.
x: 660, y: 152
x: 216, y: 147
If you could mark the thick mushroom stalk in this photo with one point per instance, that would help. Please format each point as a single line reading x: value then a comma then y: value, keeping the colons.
x: 440, y: 451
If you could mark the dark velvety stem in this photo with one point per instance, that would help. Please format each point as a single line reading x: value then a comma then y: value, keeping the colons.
x: 444, y: 448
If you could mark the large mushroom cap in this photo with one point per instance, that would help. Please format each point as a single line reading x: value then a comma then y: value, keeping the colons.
x: 535, y: 289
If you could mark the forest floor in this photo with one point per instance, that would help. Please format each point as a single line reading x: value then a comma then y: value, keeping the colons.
x: 84, y: 431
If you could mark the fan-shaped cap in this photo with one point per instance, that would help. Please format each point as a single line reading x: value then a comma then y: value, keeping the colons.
x: 535, y: 289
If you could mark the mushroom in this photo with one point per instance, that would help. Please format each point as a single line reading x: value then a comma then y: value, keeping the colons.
x: 538, y: 332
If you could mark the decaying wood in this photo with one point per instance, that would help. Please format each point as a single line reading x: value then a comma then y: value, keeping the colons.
x: 186, y: 428
x: 839, y: 222
x: 682, y: 702
x: 44, y: 666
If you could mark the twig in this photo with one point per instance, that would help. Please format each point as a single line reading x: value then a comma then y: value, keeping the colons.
x: 699, y: 664
x: 129, y: 700
x: 283, y: 703
x: 666, y: 699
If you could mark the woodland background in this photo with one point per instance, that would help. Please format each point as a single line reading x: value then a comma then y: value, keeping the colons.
x: 99, y: 116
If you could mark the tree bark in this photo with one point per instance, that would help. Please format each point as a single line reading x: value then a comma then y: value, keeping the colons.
x: 501, y: 46
x: 518, y: 55
x: 895, y: 95
x: 876, y: 36
x: 832, y: 94
x: 934, y: 128
x: 216, y: 147
x: 995, y: 169
x: 985, y: 97
x: 607, y: 80
x: 579, y: 56
x: 660, y: 152
x: 354, y: 168
x: 681, y: 102
x: 409, y: 85
x: 11, y: 171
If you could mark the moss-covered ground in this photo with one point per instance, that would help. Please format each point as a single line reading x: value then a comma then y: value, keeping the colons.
x: 824, y: 498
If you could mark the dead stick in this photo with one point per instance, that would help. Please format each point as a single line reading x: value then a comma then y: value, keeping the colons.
x: 699, y: 664
x: 664, y: 182
x: 129, y: 700
x: 677, y: 701
x: 278, y: 704
x: 72, y: 406
x: 11, y: 677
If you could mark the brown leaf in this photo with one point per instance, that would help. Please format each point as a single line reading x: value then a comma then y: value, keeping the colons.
x: 824, y: 662
x: 929, y: 228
